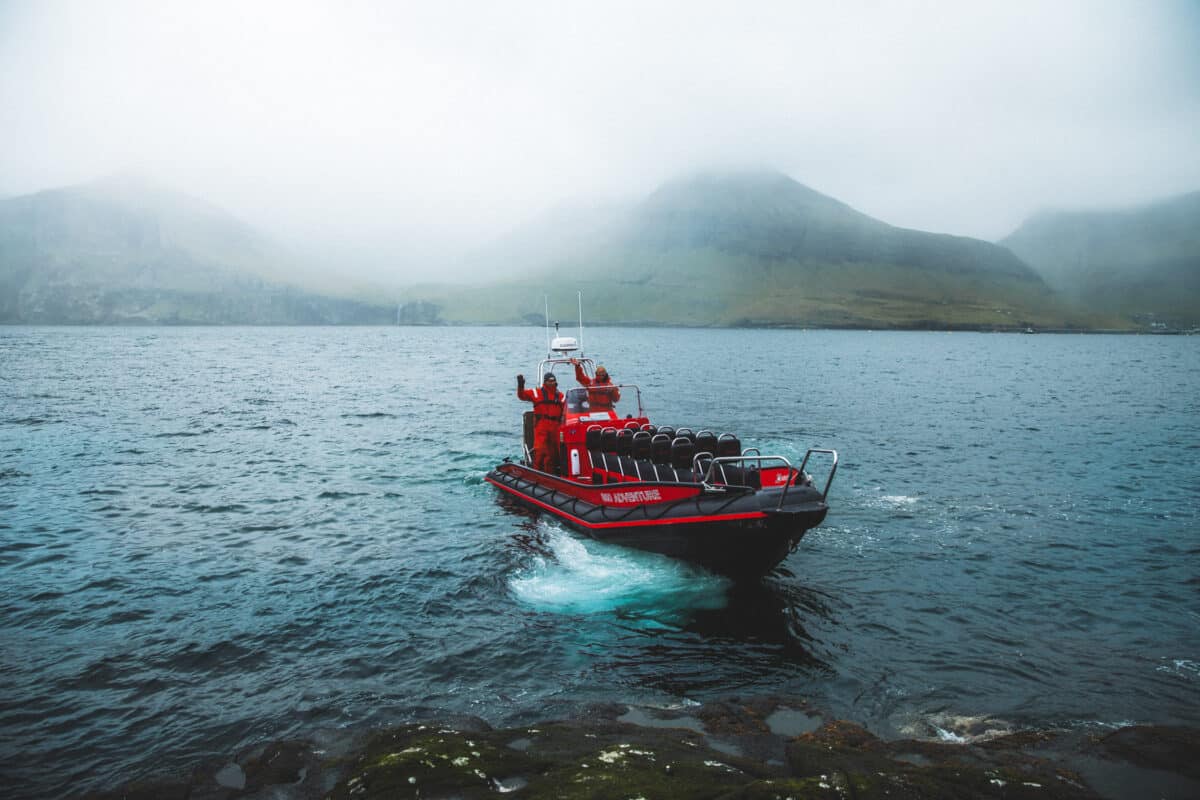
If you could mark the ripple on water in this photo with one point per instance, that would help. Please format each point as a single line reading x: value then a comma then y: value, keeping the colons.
x: 1004, y: 538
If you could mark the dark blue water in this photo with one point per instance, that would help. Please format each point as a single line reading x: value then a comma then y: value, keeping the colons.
x: 214, y: 537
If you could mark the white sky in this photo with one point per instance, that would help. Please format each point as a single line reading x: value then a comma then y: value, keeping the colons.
x: 410, y: 128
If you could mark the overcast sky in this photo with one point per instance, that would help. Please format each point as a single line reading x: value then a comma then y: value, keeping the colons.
x: 409, y: 125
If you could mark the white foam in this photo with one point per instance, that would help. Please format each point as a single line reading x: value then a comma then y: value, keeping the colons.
x: 588, y: 577
x: 1180, y: 666
x: 956, y: 729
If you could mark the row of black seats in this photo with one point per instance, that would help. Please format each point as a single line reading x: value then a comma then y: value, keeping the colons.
x: 650, y: 453
x: 664, y: 445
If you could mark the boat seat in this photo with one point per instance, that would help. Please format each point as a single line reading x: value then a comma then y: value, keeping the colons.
x: 607, y: 450
x: 682, y: 451
x: 728, y: 445
x: 639, y: 448
x: 624, y: 442
x: 660, y: 449
x: 733, y: 475
x: 686, y: 433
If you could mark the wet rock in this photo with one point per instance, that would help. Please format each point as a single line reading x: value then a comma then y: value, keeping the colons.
x: 280, y: 763
x: 230, y: 776
x: 740, y: 748
x: 288, y: 770
x: 1171, y: 749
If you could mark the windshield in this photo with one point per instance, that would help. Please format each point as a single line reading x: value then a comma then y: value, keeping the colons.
x: 596, y: 398
x: 602, y: 399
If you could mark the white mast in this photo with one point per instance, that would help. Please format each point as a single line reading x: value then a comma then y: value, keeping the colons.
x: 580, y: 295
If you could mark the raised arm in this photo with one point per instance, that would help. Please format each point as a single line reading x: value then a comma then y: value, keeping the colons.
x: 580, y: 375
x: 522, y: 392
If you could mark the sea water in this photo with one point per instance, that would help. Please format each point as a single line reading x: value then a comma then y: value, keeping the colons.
x: 213, y: 537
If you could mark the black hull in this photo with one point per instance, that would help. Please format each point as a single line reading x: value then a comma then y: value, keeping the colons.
x: 737, y: 548
x: 742, y: 534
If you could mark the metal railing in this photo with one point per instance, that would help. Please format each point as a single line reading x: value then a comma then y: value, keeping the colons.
x: 709, y: 486
x: 759, y: 458
x: 832, y: 468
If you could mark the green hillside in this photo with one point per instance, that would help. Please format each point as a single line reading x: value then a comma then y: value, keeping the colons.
x: 762, y: 249
x: 714, y: 249
x: 123, y: 250
x: 1142, y: 262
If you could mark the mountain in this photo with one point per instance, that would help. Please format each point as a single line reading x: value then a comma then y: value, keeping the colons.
x: 759, y: 248
x: 1143, y: 262
x: 125, y: 250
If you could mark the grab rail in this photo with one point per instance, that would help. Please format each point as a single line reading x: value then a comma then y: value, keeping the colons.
x: 708, y: 485
x: 832, y: 469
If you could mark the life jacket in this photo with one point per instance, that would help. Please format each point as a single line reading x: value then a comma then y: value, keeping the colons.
x: 602, y: 392
x: 547, y: 408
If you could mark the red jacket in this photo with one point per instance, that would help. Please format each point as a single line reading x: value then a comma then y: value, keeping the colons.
x: 547, y: 409
x: 600, y: 395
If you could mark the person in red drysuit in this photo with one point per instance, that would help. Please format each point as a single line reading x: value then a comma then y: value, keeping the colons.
x: 602, y: 395
x: 548, y: 409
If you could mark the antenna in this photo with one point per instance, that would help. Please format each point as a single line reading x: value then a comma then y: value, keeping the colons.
x: 580, y: 295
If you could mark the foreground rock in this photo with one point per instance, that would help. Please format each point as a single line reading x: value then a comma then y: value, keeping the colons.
x: 761, y: 748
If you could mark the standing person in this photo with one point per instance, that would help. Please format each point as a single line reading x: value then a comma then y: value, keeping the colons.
x: 548, y: 411
x: 602, y: 394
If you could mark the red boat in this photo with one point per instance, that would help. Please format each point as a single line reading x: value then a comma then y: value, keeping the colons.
x: 697, y: 495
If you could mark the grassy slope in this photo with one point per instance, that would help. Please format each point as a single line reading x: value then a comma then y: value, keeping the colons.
x: 762, y: 249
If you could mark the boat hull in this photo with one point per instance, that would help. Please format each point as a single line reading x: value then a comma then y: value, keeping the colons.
x: 734, y: 531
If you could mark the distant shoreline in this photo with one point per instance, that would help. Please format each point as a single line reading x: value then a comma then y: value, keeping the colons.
x: 637, y: 324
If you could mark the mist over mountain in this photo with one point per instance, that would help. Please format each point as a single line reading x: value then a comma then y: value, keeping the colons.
x: 715, y: 248
x: 1142, y: 262
x: 126, y: 250
x: 769, y: 216
x: 759, y: 248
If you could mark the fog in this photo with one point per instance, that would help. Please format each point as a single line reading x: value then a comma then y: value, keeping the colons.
x: 398, y: 135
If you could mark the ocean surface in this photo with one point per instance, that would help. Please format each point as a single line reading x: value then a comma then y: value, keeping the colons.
x: 213, y: 537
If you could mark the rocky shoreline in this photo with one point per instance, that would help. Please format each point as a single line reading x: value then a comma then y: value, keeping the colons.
x: 767, y: 747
